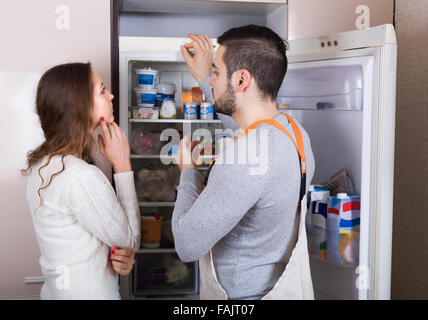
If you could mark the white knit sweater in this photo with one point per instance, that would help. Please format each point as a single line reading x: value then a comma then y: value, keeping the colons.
x: 79, y: 220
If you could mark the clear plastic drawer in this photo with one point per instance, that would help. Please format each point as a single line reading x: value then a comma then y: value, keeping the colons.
x: 162, y: 273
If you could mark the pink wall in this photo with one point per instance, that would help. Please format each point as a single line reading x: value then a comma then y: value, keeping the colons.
x: 312, y: 18
x: 31, y: 43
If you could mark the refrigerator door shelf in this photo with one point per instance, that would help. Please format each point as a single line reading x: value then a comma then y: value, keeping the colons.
x: 331, y: 263
x: 172, y: 121
x: 338, y: 85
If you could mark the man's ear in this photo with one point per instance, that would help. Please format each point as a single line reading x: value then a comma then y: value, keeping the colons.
x: 243, y: 80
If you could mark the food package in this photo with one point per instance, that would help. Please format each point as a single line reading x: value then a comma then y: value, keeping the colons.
x: 145, y: 142
x: 340, y: 182
x: 343, y: 229
x: 154, y: 185
x: 317, y: 222
x: 167, y: 234
x: 177, y: 273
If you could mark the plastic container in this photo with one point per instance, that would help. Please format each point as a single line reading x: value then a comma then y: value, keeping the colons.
x: 145, y: 113
x: 145, y: 142
x: 197, y: 95
x: 163, y: 274
x: 151, y: 226
x: 146, y: 96
x: 190, y: 110
x: 164, y: 91
x: 156, y: 185
x: 146, y: 76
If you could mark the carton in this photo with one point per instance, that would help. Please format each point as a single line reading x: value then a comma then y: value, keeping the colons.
x: 343, y: 229
x: 317, y: 224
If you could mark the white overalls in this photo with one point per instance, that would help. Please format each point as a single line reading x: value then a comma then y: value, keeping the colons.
x: 295, y: 283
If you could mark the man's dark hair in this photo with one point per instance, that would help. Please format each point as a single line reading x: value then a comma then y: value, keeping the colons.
x: 260, y: 51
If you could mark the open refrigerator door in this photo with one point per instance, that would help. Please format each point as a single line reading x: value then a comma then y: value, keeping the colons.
x: 341, y: 88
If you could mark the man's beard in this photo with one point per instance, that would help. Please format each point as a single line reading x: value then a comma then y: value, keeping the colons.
x: 226, y: 103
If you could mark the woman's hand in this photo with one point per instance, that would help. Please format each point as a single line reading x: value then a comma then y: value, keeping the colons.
x: 122, y: 260
x: 114, y: 146
x: 200, y: 64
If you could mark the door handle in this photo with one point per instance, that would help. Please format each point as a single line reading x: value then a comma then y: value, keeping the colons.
x: 34, y: 280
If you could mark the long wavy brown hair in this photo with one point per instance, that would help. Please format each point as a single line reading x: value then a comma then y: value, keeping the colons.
x: 64, y: 104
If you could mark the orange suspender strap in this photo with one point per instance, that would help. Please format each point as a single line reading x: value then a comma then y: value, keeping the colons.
x: 299, y: 147
x: 300, y: 143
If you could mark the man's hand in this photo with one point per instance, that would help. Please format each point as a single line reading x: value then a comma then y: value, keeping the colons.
x: 200, y: 64
x: 122, y: 260
x: 183, y: 158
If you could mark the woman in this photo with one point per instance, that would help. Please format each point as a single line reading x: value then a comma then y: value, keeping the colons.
x: 76, y: 214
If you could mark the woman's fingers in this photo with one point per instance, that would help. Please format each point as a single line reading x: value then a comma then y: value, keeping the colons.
x: 128, y: 260
x: 101, y: 144
x: 120, y: 133
x: 113, y: 130
x: 122, y: 260
x: 125, y: 252
x: 106, y: 132
x: 121, y: 268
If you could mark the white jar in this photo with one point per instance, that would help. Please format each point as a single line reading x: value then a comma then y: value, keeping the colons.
x: 168, y: 110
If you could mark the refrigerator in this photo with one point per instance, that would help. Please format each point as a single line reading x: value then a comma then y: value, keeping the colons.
x: 341, y: 88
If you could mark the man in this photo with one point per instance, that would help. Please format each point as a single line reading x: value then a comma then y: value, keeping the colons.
x: 245, y: 216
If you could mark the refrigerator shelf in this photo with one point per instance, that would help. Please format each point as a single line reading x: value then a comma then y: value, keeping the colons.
x: 155, y: 250
x: 157, y: 156
x: 149, y: 204
x: 150, y: 156
x: 172, y: 121
x: 333, y: 264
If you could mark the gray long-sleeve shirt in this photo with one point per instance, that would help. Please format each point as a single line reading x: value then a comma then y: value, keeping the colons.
x: 246, y: 214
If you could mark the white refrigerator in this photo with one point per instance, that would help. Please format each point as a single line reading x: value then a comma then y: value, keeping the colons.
x: 341, y: 88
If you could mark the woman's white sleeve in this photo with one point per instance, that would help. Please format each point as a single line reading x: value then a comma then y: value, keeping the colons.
x: 114, y: 220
